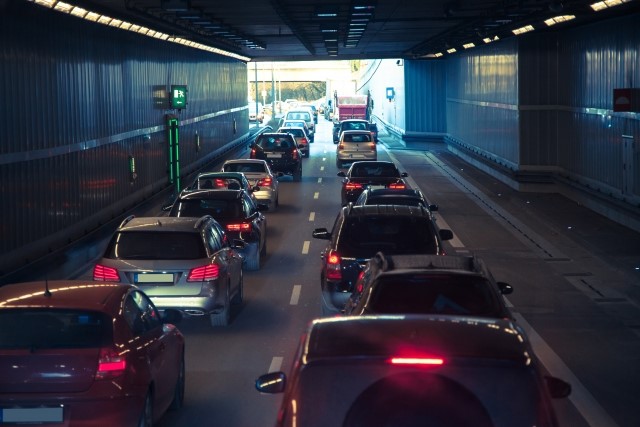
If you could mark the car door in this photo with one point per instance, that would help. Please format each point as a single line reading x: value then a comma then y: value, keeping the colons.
x: 156, y: 349
x: 258, y: 219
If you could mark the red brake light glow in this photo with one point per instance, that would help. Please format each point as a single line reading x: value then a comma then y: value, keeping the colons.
x: 397, y: 186
x: 352, y: 186
x: 252, y: 154
x: 334, y: 271
x: 244, y: 226
x: 111, y: 364
x: 264, y: 182
x: 106, y: 274
x: 425, y: 361
x: 206, y: 272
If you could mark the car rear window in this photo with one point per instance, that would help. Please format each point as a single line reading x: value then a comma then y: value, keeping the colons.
x: 298, y: 132
x: 45, y: 329
x: 386, y: 200
x: 419, y: 293
x: 244, y: 167
x: 275, y: 143
x: 218, y: 209
x: 365, y: 170
x: 357, y: 137
x: 363, y: 236
x: 152, y: 245
x: 355, y: 126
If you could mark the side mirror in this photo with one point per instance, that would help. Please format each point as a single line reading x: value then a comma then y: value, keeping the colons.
x: 558, y: 389
x: 271, y: 383
x: 505, y: 288
x: 445, y: 234
x: 321, y: 233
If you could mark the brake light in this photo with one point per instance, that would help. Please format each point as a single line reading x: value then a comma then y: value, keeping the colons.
x: 420, y: 361
x: 111, y: 364
x: 252, y: 154
x: 243, y: 226
x: 303, y: 141
x: 334, y: 272
x: 264, y: 182
x: 219, y: 183
x: 106, y: 274
x: 341, y: 146
x: 397, y: 186
x: 295, y: 154
x: 353, y: 186
x: 372, y: 146
x: 206, y: 272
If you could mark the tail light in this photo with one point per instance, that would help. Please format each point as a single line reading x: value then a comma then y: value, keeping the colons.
x: 220, y: 183
x: 417, y: 361
x: 252, y: 154
x: 264, y: 182
x: 294, y: 154
x: 341, y: 146
x: 372, y: 146
x: 353, y: 186
x: 243, y: 226
x: 303, y: 141
x: 334, y: 271
x: 111, y: 364
x: 397, y: 186
x: 206, y: 272
x: 105, y: 274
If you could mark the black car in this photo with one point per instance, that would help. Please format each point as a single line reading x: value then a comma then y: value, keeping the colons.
x: 428, y: 284
x: 281, y: 151
x: 370, y: 174
x: 350, y: 124
x: 236, y: 212
x: 359, y: 232
x: 390, y: 196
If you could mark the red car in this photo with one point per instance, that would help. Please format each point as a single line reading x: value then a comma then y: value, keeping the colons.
x: 76, y: 353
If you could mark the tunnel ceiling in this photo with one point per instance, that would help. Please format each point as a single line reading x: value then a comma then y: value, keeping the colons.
x: 279, y: 30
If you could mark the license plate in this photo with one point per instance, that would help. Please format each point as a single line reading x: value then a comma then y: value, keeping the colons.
x: 31, y: 415
x: 154, y: 278
x: 357, y: 156
x: 274, y: 155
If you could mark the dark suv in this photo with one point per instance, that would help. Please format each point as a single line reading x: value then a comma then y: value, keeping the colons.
x: 359, y: 232
x: 281, y: 151
x: 428, y: 284
x: 241, y: 218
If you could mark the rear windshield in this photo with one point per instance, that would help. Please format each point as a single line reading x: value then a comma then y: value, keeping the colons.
x: 299, y: 116
x: 362, y: 237
x: 275, y: 143
x: 218, y: 209
x: 219, y: 183
x: 298, y: 132
x: 387, y: 200
x: 355, y: 126
x: 376, y: 169
x: 356, y: 137
x: 439, y: 294
x: 45, y: 329
x: 156, y: 245
x: 244, y: 167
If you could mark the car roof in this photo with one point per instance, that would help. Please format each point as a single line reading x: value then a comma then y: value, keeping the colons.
x: 245, y: 161
x: 354, y: 120
x: 221, y: 194
x: 237, y: 175
x: 386, y: 210
x: 275, y: 135
x: 382, y: 192
x: 79, y: 294
x: 453, y: 338
x: 354, y: 131
x: 162, y: 223
x: 429, y: 262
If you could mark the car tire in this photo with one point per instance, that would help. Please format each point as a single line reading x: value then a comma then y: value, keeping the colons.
x: 253, y: 263
x: 222, y: 318
x: 297, y: 175
x: 146, y: 418
x: 239, y: 296
x: 178, y: 393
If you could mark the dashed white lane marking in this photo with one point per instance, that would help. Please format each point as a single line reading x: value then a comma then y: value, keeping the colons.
x: 320, y: 179
x: 295, y: 294
x: 276, y: 364
x: 312, y: 216
x: 321, y: 168
x: 305, y: 247
x: 316, y: 195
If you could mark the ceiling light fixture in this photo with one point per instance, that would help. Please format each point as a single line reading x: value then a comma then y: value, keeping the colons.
x: 523, y: 30
x: 602, y: 5
x: 559, y: 19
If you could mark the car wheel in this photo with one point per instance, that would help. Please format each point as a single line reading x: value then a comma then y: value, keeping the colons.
x: 253, y: 263
x: 297, y: 176
x: 239, y: 296
x: 146, y: 418
x: 222, y: 318
x: 178, y: 394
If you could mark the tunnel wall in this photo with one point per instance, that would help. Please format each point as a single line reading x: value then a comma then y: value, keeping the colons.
x: 79, y: 101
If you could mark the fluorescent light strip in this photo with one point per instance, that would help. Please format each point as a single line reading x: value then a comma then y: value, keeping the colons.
x: 489, y: 39
x: 523, y: 30
x: 79, y: 12
x: 558, y: 19
x: 468, y: 45
x: 602, y: 5
x: 452, y: 50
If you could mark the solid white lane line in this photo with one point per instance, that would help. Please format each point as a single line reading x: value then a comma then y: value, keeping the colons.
x: 584, y: 401
x: 295, y: 294
x: 276, y: 364
x: 316, y: 195
x: 312, y: 216
x: 305, y: 247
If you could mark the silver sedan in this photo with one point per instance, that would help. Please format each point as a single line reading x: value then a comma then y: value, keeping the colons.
x: 259, y: 174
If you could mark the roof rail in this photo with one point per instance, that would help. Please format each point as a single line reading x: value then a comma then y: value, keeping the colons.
x: 126, y: 220
x: 202, y: 220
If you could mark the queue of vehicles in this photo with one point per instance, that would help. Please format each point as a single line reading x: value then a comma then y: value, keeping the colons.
x: 404, y: 318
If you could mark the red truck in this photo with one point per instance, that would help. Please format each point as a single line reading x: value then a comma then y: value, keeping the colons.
x: 351, y: 107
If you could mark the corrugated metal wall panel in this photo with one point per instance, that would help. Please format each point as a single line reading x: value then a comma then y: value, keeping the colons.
x: 423, y: 103
x: 482, y: 100
x: 85, y: 97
